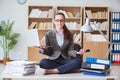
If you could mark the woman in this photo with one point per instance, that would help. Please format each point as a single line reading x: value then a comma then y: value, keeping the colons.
x: 60, y: 49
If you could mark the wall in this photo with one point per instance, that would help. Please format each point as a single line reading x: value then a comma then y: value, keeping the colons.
x: 10, y: 9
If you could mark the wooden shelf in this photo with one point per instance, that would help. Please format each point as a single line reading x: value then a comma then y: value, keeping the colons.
x: 41, y: 18
x: 97, y: 45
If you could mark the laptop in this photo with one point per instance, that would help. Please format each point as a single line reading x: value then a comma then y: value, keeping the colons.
x: 32, y: 38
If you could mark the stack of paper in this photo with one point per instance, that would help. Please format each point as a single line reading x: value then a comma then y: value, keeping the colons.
x: 20, y: 67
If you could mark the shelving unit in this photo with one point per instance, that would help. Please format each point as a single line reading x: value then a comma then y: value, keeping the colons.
x: 40, y: 18
x: 115, y: 38
x: 73, y: 16
x: 99, y: 19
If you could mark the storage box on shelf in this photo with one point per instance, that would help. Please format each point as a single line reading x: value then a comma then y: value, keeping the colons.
x: 115, y: 38
x: 41, y: 18
x: 99, y: 19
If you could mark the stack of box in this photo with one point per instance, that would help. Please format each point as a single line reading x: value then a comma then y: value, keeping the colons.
x: 20, y: 67
x: 96, y: 66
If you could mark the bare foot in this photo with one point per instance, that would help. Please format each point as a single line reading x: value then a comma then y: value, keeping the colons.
x: 7, y: 79
x: 51, y: 71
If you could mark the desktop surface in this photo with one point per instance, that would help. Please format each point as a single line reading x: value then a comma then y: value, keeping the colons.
x: 39, y: 73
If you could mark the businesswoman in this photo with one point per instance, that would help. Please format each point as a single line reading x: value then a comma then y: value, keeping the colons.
x: 60, y: 49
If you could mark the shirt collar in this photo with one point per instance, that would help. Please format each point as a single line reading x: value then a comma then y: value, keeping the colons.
x: 58, y: 33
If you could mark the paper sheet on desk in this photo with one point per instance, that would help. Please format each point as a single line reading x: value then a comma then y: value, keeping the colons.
x: 32, y: 38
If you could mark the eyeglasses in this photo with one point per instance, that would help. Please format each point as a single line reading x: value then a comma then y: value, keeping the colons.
x: 57, y: 20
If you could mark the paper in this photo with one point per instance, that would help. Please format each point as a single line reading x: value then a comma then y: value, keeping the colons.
x: 97, y: 38
x: 32, y: 38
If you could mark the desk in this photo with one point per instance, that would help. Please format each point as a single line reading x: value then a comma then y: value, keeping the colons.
x: 114, y: 74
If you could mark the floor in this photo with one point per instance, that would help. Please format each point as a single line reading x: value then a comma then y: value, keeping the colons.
x: 39, y: 74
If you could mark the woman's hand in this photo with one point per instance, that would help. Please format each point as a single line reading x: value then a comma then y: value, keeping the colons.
x: 81, y: 52
x: 40, y: 48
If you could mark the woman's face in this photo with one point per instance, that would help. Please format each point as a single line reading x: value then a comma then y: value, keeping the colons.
x: 59, y: 21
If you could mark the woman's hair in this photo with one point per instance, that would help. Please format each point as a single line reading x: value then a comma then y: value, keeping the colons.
x: 67, y: 33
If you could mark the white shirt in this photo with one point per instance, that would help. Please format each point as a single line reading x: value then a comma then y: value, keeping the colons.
x: 60, y: 38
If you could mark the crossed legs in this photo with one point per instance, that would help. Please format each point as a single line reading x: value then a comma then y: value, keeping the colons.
x: 61, y: 66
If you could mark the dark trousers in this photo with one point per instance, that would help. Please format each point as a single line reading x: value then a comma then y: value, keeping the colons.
x: 63, y: 65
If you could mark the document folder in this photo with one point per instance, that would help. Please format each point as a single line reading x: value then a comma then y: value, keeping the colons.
x: 98, y: 61
x: 96, y: 71
x: 94, y: 66
x: 95, y: 74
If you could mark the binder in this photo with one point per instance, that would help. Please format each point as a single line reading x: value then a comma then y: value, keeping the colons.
x: 96, y: 71
x: 94, y: 66
x: 95, y: 74
x: 98, y: 61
